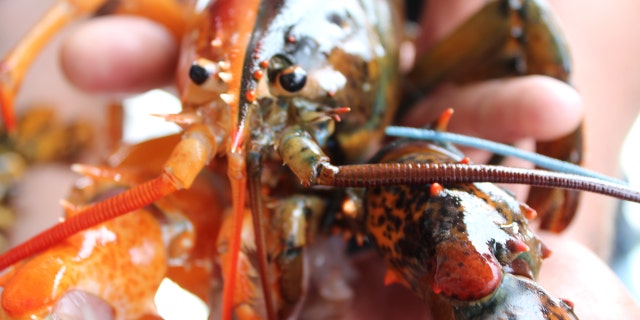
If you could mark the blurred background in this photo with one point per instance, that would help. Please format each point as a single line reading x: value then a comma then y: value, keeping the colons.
x: 626, y: 258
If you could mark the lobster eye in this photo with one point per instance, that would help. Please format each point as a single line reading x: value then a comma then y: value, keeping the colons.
x: 292, y: 79
x: 286, y: 76
x: 198, y: 74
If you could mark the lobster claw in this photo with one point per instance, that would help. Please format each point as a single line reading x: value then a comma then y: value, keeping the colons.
x: 557, y: 207
x: 517, y: 295
x: 451, y: 280
x: 508, y: 38
x: 505, y: 38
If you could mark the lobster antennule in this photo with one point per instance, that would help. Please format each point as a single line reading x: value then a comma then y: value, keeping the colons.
x: 497, y: 148
x: 259, y: 227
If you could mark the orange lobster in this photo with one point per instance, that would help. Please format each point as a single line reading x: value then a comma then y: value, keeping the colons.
x: 264, y: 87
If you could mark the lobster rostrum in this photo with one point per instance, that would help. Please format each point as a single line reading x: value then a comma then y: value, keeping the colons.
x: 261, y: 86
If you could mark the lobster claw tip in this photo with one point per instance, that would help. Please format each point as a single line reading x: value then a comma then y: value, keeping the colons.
x: 452, y: 277
x: 518, y: 246
x: 569, y: 303
x: 528, y: 212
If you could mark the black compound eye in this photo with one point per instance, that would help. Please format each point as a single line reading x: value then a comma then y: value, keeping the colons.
x: 292, y: 79
x: 198, y: 74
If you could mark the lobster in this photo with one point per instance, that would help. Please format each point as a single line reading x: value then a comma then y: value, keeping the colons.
x: 41, y: 138
x: 261, y: 87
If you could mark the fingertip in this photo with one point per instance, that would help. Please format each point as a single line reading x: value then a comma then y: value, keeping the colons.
x: 539, y: 107
x: 506, y: 110
x: 119, y: 54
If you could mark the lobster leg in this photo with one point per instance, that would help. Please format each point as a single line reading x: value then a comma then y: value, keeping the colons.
x: 194, y: 220
x: 507, y: 38
x: 186, y: 161
x: 254, y: 168
x: 15, y: 65
x: 185, y: 250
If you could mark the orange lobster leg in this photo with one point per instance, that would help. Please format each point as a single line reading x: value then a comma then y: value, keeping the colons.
x: 15, y: 65
x: 188, y: 158
x: 169, y: 13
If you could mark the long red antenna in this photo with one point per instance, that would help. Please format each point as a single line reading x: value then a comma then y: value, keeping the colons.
x: 384, y: 174
x: 90, y: 216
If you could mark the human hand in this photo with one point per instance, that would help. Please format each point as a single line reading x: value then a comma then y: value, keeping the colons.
x: 506, y: 110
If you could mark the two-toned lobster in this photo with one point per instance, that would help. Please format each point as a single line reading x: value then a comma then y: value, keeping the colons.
x: 313, y: 85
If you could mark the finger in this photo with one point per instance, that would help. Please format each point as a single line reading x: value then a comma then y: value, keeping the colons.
x: 575, y: 273
x: 119, y: 54
x: 505, y: 110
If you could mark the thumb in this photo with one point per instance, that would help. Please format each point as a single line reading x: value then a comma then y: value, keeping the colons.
x: 119, y: 54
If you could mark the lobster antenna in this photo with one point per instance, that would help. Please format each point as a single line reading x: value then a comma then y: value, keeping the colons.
x: 497, y: 148
x: 384, y: 174
x: 254, y: 170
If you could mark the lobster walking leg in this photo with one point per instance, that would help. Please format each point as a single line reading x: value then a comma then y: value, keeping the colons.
x: 188, y: 158
x: 181, y: 229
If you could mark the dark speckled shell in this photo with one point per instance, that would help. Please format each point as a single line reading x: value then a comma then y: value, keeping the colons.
x: 458, y: 243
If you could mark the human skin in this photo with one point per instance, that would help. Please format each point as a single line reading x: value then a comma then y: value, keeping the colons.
x: 606, y: 73
x: 149, y: 63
